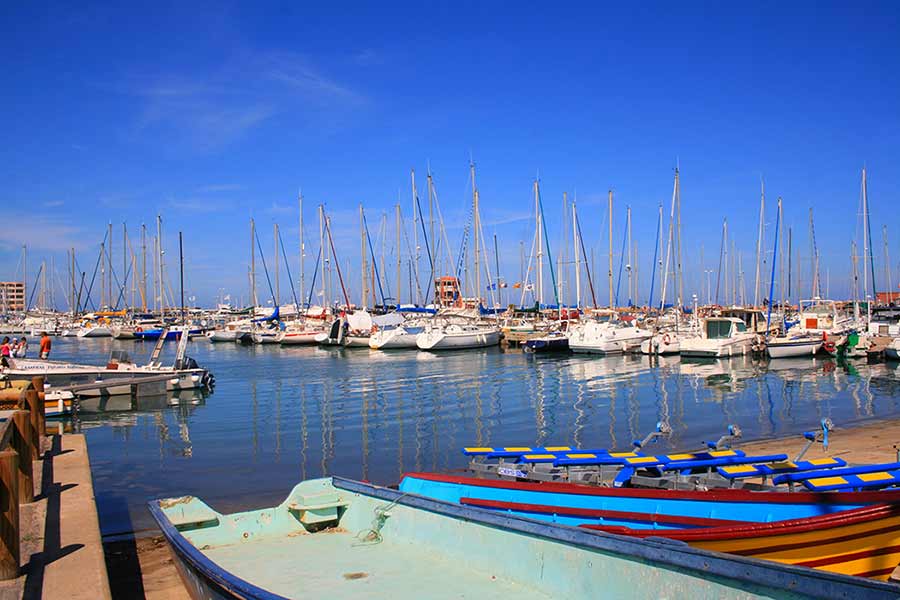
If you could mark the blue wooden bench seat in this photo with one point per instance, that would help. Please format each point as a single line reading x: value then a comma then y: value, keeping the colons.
x: 778, y: 468
x: 848, y: 478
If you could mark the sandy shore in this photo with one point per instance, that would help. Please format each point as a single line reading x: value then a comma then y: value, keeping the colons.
x: 143, y: 568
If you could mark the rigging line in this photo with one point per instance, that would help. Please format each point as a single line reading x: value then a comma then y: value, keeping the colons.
x: 415, y: 272
x: 96, y: 267
x: 315, y: 272
x: 549, y: 254
x: 719, y: 271
x: 288, y: 268
x: 655, y: 257
x: 772, y: 281
x: 265, y: 268
x: 122, y: 288
x: 337, y: 263
x: 374, y: 259
x: 37, y: 279
x: 427, y: 249
x: 586, y: 266
x: 621, y: 262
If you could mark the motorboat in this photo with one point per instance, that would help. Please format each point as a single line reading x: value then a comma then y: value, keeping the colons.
x: 721, y: 337
x: 606, y: 337
x: 793, y: 345
x: 554, y: 341
x: 185, y: 372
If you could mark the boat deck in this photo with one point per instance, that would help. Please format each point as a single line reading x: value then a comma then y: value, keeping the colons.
x: 337, y: 564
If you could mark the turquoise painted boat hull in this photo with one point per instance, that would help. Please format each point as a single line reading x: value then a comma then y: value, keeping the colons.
x: 342, y: 539
x: 724, y: 504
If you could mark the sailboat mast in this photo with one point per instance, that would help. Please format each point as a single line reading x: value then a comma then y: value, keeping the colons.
x: 430, y: 221
x: 630, y: 262
x: 868, y: 228
x: 415, y: 248
x: 679, y: 272
x: 477, y: 227
x: 887, y: 263
x: 302, y: 251
x: 159, y: 266
x: 577, y: 254
x: 759, y: 239
x: 277, y: 284
x: 109, y: 255
x: 363, y: 268
x: 322, y: 255
x: 610, y: 273
x: 540, y: 244
x: 143, y: 267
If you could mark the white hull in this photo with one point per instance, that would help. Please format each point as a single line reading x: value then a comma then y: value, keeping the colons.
x: 93, y: 332
x: 355, y: 341
x: 607, y: 340
x: 437, y: 339
x: 705, y: 348
x: 297, y: 338
x: 394, y: 339
x: 657, y: 345
x: 222, y: 335
x: 265, y: 338
x: 788, y: 348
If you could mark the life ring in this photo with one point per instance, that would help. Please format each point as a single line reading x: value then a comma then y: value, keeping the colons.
x: 667, y: 339
x: 139, y: 329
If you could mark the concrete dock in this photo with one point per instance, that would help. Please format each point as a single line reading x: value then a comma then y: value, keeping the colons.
x: 61, y: 549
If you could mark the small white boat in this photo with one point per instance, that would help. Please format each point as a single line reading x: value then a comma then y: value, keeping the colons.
x: 394, y: 338
x: 664, y: 343
x: 722, y: 337
x: 95, y: 331
x: 458, y: 336
x: 297, y: 337
x: 804, y: 344
x: 606, y: 337
x: 266, y: 336
x: 223, y: 335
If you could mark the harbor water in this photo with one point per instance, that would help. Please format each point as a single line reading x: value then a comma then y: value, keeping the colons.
x: 280, y: 415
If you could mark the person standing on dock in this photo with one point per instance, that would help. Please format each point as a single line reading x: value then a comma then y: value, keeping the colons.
x: 45, y: 346
x: 5, y: 352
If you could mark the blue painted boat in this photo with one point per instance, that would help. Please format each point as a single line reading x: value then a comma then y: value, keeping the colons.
x: 552, y: 342
x: 628, y: 507
x: 153, y: 334
x: 339, y: 538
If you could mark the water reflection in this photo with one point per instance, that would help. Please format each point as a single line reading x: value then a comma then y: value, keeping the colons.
x: 281, y: 415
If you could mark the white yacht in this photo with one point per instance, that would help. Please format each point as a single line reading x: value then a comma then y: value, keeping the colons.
x: 721, y: 337
x: 606, y: 337
x: 392, y: 338
x: 456, y: 336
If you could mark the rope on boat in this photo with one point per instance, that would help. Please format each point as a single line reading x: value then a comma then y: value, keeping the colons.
x: 372, y: 535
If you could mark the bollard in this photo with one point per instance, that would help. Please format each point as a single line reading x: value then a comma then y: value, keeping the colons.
x: 9, y: 520
x: 22, y: 444
x: 38, y: 383
x: 33, y: 402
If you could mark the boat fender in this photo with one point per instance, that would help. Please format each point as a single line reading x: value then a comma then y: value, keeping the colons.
x: 139, y: 329
x: 667, y: 339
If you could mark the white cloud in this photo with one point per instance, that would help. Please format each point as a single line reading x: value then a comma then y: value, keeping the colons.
x: 210, y: 110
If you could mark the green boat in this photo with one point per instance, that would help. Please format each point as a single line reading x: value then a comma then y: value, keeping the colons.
x: 340, y: 539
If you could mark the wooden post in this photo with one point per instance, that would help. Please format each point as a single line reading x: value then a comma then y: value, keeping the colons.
x: 33, y: 403
x: 22, y: 443
x: 38, y: 383
x: 9, y: 519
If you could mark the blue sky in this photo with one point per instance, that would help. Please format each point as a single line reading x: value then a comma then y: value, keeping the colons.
x: 211, y: 114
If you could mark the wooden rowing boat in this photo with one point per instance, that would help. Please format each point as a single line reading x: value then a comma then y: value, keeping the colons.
x: 339, y: 538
